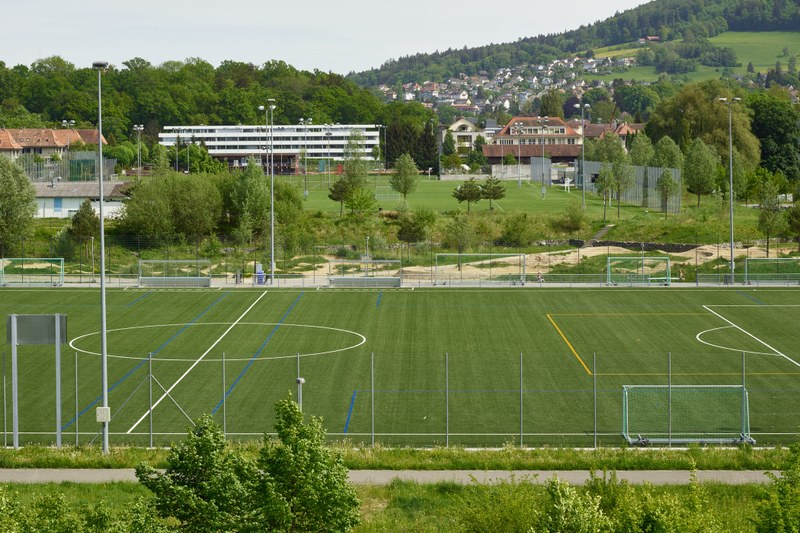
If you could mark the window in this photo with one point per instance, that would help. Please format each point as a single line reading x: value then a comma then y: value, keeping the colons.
x: 57, y: 205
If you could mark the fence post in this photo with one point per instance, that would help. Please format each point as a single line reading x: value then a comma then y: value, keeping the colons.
x: 224, y: 410
x: 372, y: 395
x: 77, y: 412
x: 669, y: 396
x: 447, y: 400
x: 594, y: 394
x: 150, y: 396
x: 520, y: 401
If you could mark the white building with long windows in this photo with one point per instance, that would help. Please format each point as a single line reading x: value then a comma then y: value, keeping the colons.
x: 319, y: 146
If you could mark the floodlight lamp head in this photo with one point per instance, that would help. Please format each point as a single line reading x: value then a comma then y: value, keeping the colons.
x: 100, y: 65
x: 737, y: 99
x: 261, y: 108
x: 300, y: 381
x: 723, y: 100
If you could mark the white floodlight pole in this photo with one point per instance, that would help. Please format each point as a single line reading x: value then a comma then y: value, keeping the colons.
x: 519, y: 155
x: 300, y: 381
x: 271, y: 193
x: 101, y: 66
x: 728, y: 103
x: 583, y: 153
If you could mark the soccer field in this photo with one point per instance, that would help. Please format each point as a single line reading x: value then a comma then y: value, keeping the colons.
x: 474, y: 367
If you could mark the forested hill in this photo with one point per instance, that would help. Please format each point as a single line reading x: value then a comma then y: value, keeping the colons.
x: 668, y: 19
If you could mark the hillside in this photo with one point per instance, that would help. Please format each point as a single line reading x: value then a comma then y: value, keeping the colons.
x: 668, y: 19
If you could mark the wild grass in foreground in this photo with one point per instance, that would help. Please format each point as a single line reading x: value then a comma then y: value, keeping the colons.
x: 378, y: 458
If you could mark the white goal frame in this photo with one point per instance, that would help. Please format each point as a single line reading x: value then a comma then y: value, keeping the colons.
x: 751, y: 277
x: 443, y: 275
x: 365, y: 273
x: 55, y: 277
x: 669, y: 424
x: 640, y: 277
x: 175, y: 273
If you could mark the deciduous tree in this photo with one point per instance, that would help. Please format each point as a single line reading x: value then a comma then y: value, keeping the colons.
x: 17, y: 204
x: 699, y: 169
x: 469, y: 191
x: 405, y: 176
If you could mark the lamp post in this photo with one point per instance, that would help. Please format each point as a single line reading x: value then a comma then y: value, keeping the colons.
x: 68, y: 125
x: 268, y: 110
x: 542, y: 121
x: 138, y: 129
x: 328, y: 136
x: 583, y: 153
x: 105, y: 415
x: 305, y: 123
x: 729, y: 103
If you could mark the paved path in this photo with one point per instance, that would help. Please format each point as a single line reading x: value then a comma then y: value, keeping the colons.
x: 384, y: 477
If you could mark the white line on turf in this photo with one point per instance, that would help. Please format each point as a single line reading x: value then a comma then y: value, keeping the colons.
x: 199, y: 359
x: 777, y: 352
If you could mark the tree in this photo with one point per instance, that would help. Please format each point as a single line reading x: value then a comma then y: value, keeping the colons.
x: 360, y: 202
x: 355, y: 166
x: 793, y: 223
x: 469, y: 191
x: 85, y: 223
x: 405, y: 176
x: 776, y: 123
x: 310, y: 479
x: 699, y: 169
x: 17, y: 204
x: 603, y: 184
x: 641, y: 150
x: 667, y: 186
x: 294, y: 484
x: 667, y: 154
x: 339, y: 192
x: 492, y: 189
x: 449, y: 144
x: 206, y: 486
x: 771, y: 220
x: 552, y: 106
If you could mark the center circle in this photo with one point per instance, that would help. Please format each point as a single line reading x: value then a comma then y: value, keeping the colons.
x: 362, y: 340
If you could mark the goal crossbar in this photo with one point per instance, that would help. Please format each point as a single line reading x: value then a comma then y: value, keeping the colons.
x: 456, y: 268
x: 365, y: 273
x: 771, y: 269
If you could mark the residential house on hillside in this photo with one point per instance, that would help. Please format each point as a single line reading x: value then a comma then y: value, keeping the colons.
x: 464, y: 134
x: 527, y: 137
x: 42, y: 142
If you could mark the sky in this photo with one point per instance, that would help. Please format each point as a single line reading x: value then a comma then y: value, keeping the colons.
x: 332, y: 36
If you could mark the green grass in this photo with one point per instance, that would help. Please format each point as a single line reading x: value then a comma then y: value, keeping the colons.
x: 481, y: 333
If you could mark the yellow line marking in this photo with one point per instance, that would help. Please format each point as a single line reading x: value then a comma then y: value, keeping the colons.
x: 578, y: 357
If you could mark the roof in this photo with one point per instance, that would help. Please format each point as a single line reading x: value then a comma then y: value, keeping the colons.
x: 49, y: 138
x: 534, y: 121
x: 629, y: 128
x: 81, y: 189
x: 595, y: 131
x: 7, y: 141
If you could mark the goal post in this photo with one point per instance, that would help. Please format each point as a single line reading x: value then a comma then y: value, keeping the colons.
x: 684, y: 414
x: 771, y: 270
x: 34, y: 271
x: 476, y: 268
x: 365, y: 273
x: 174, y: 273
x: 638, y: 270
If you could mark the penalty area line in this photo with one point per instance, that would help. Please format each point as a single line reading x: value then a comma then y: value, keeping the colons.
x: 197, y: 362
x: 777, y: 352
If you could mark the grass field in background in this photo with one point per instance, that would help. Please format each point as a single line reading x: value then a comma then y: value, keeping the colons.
x: 481, y: 333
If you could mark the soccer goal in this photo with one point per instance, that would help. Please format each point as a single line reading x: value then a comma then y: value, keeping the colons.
x: 771, y: 270
x: 684, y: 414
x: 365, y: 272
x: 471, y: 269
x: 638, y: 270
x: 174, y: 273
x: 34, y: 271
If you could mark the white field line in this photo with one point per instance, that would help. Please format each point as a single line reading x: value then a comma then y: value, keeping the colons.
x: 199, y: 359
x: 777, y: 352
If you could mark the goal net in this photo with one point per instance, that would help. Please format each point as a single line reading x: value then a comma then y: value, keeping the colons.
x: 774, y: 270
x: 470, y: 269
x: 660, y: 414
x: 174, y: 273
x: 638, y: 270
x: 32, y: 271
x: 365, y: 272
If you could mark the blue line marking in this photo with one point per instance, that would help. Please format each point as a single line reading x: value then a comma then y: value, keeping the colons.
x: 143, y: 361
x: 142, y: 297
x: 751, y: 298
x: 350, y: 411
x: 378, y: 303
x: 258, y: 352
